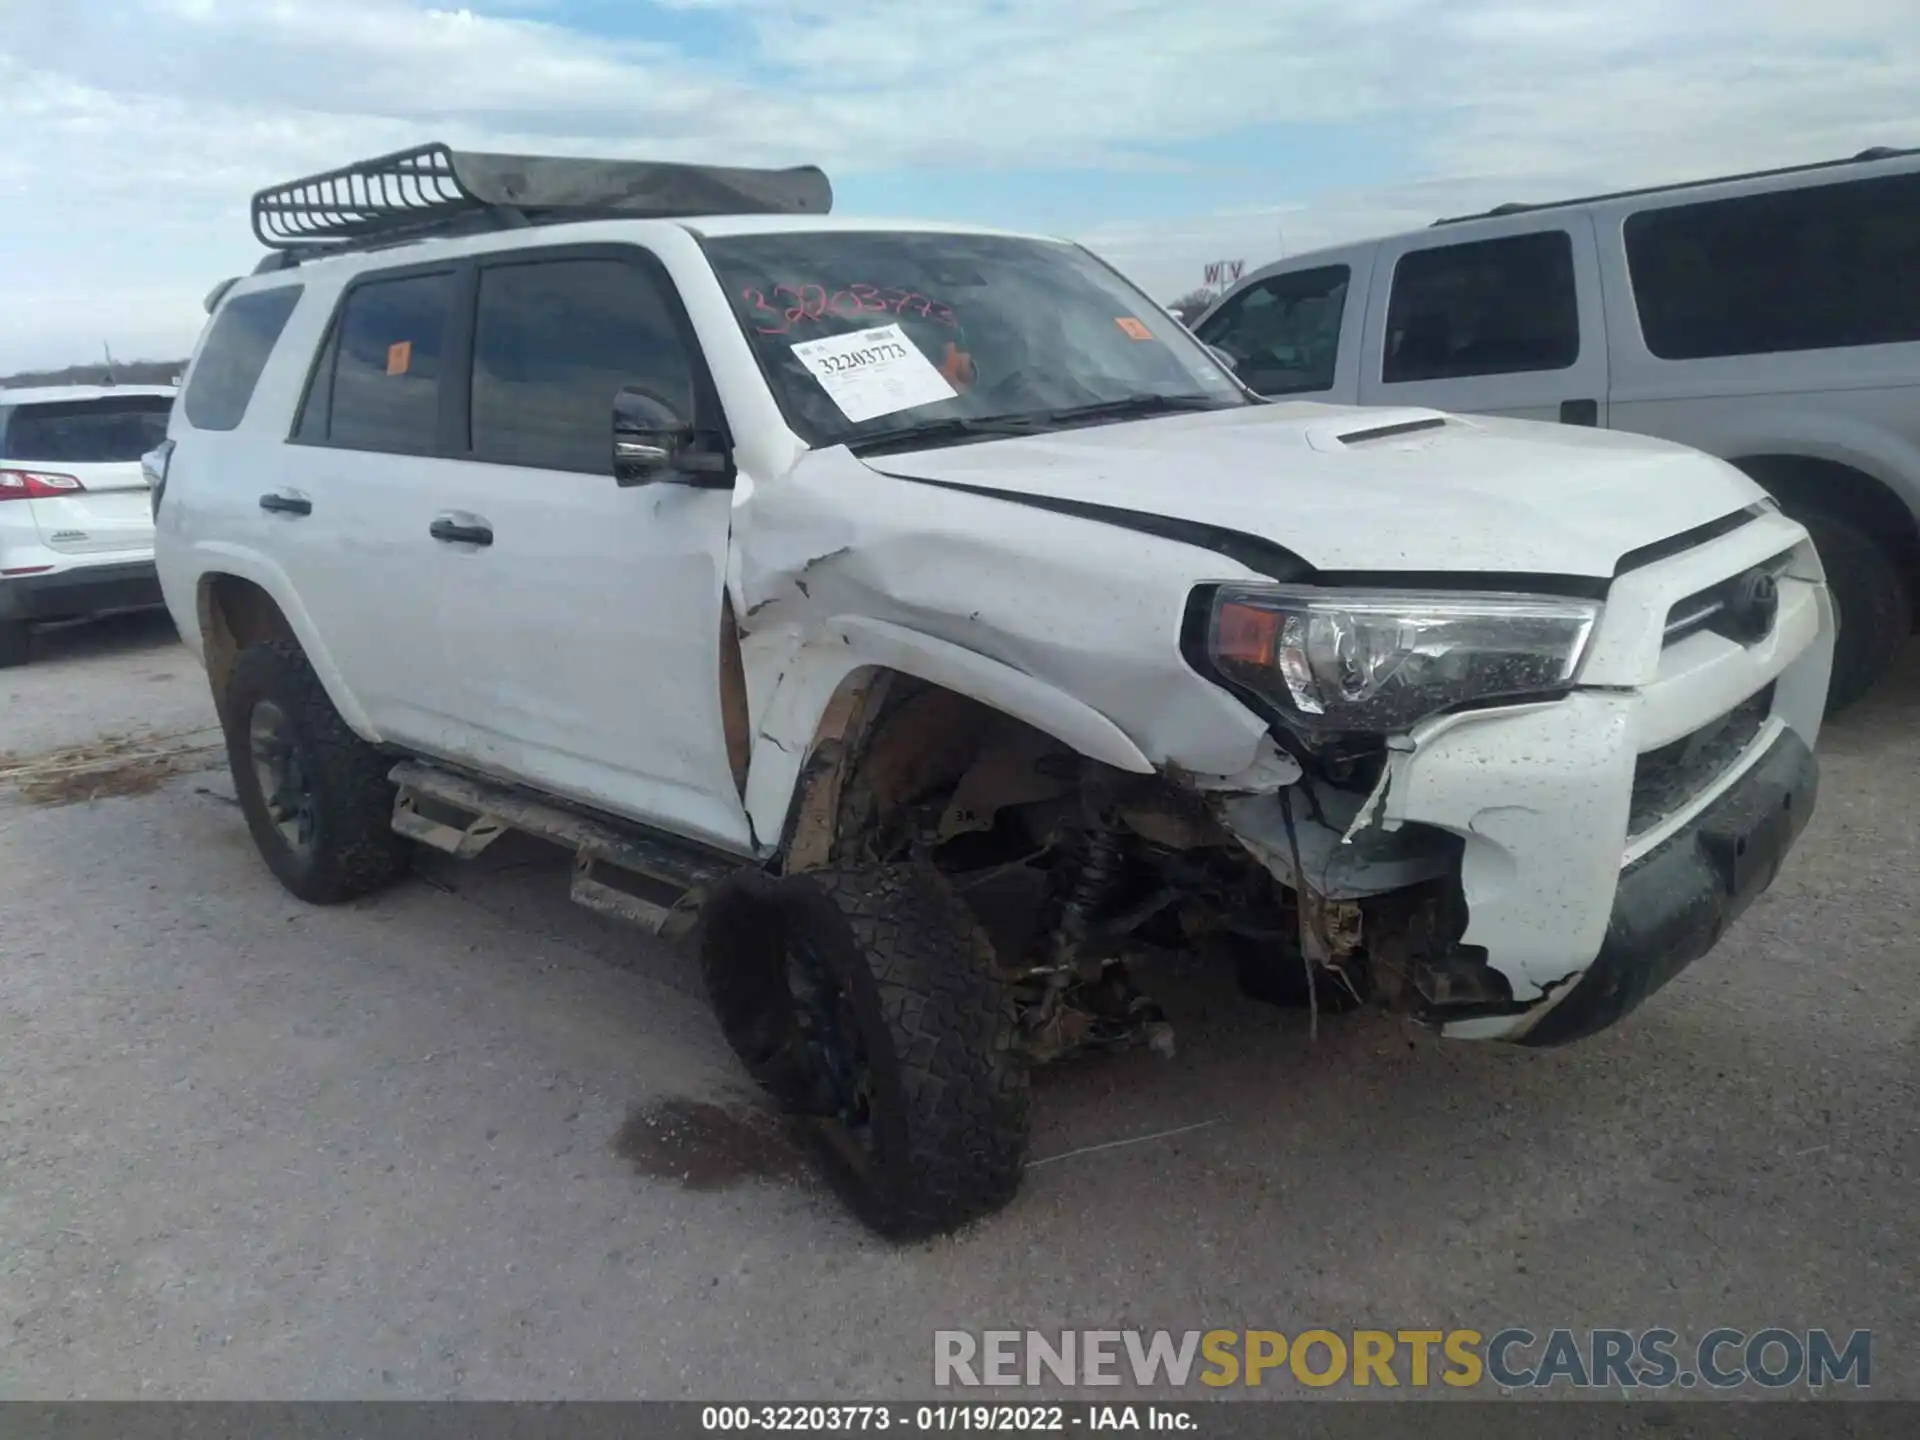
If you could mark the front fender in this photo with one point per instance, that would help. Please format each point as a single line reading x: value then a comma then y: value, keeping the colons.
x: 840, y: 648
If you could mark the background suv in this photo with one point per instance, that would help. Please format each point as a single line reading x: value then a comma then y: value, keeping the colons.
x: 1771, y: 319
x: 76, y: 526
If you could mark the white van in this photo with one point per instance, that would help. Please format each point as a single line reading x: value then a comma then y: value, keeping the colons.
x: 1770, y: 319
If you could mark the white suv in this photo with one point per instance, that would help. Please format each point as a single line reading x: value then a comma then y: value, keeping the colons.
x: 1770, y: 319
x: 929, y: 611
x: 76, y: 528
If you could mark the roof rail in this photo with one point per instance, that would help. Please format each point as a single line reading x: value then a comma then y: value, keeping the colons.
x: 1517, y: 207
x: 433, y: 190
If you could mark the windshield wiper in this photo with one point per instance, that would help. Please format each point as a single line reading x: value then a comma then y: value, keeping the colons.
x: 1039, y: 422
x: 1132, y: 407
x: 942, y: 432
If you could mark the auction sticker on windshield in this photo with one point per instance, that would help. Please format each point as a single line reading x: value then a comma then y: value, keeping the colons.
x: 874, y: 372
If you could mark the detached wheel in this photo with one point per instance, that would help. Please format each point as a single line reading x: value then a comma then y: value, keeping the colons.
x: 1872, y: 601
x: 316, y: 796
x: 14, y: 643
x: 865, y: 1001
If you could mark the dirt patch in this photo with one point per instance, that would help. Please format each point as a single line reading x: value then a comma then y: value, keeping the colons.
x: 704, y: 1147
x: 109, y: 766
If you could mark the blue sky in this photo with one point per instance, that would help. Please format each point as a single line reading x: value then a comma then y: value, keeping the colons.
x: 1165, y: 135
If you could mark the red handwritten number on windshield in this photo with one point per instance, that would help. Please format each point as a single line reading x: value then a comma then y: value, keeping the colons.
x: 815, y: 302
x: 812, y: 302
x: 762, y: 311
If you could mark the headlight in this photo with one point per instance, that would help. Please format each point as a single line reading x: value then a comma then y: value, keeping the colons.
x: 1377, y: 662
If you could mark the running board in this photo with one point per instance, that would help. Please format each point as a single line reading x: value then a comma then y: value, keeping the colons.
x: 626, y: 871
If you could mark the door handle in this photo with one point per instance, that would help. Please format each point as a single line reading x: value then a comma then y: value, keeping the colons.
x: 283, y: 504
x: 472, y: 531
x: 1579, y: 412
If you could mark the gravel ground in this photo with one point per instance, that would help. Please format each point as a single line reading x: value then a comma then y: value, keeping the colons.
x: 467, y: 1140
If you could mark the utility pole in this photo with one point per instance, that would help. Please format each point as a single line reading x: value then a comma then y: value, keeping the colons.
x: 109, y: 353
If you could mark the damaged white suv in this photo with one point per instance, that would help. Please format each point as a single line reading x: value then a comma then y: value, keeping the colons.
x: 929, y: 613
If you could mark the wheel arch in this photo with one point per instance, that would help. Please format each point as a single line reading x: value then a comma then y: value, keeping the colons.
x: 824, y: 708
x: 235, y: 610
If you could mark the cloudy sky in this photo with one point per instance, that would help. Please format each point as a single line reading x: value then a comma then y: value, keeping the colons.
x: 133, y: 131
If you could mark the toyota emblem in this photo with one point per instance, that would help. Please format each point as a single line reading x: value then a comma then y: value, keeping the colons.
x: 1752, y: 605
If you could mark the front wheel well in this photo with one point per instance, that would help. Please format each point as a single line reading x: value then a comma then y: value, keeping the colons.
x: 886, y: 741
x: 235, y: 613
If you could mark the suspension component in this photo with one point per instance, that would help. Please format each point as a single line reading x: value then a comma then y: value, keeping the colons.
x: 1091, y: 884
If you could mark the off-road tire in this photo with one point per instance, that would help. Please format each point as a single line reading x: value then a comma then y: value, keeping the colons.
x: 949, y: 1127
x: 1872, y: 601
x: 354, y: 850
x: 15, y: 643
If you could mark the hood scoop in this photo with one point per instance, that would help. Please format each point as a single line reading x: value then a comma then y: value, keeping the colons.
x: 1330, y: 437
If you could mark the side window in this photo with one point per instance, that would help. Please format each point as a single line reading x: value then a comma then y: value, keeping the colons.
x: 1815, y: 268
x: 243, y: 336
x: 1488, y: 307
x: 554, y: 341
x: 382, y: 368
x: 1284, y: 332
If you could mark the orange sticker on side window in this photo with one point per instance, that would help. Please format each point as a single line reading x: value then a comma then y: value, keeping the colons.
x: 399, y: 357
x: 1135, y: 330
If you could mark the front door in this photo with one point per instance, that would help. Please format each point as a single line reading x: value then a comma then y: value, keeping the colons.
x: 1503, y: 324
x: 581, y: 620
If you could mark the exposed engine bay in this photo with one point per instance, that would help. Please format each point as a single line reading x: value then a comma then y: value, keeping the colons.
x: 1076, y: 871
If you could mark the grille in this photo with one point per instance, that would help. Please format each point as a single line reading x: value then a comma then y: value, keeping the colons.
x: 1664, y: 780
x: 1712, y: 608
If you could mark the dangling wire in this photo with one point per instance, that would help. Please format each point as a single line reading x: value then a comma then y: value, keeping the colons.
x: 1300, y: 899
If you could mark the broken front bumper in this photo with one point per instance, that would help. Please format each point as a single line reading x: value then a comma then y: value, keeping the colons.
x: 1587, y: 839
x: 1591, y: 828
x: 1674, y: 902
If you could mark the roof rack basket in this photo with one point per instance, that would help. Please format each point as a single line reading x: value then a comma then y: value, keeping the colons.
x: 434, y: 190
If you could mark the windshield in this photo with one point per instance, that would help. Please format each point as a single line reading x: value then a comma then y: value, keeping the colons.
x: 86, y: 432
x: 869, y: 336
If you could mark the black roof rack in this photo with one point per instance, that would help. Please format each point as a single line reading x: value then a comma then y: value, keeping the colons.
x: 1517, y: 207
x: 434, y: 190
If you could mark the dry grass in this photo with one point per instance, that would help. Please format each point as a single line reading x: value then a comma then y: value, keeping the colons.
x: 108, y: 766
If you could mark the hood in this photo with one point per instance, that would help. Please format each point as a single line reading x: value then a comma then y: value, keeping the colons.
x: 1350, y: 489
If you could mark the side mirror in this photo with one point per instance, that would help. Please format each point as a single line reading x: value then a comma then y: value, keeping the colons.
x: 1224, y: 358
x: 654, y: 441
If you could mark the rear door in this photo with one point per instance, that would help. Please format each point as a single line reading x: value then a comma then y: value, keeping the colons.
x: 347, y: 507
x: 1506, y: 323
x: 92, y: 498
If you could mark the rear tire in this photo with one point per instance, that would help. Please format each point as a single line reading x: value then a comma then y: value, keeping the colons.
x: 326, y: 827
x: 865, y: 1001
x: 1872, y: 601
x: 15, y: 643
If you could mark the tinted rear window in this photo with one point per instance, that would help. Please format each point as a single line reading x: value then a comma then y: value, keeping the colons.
x: 1818, y: 268
x: 378, y: 385
x: 86, y: 432
x: 1486, y: 307
x: 236, y: 352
